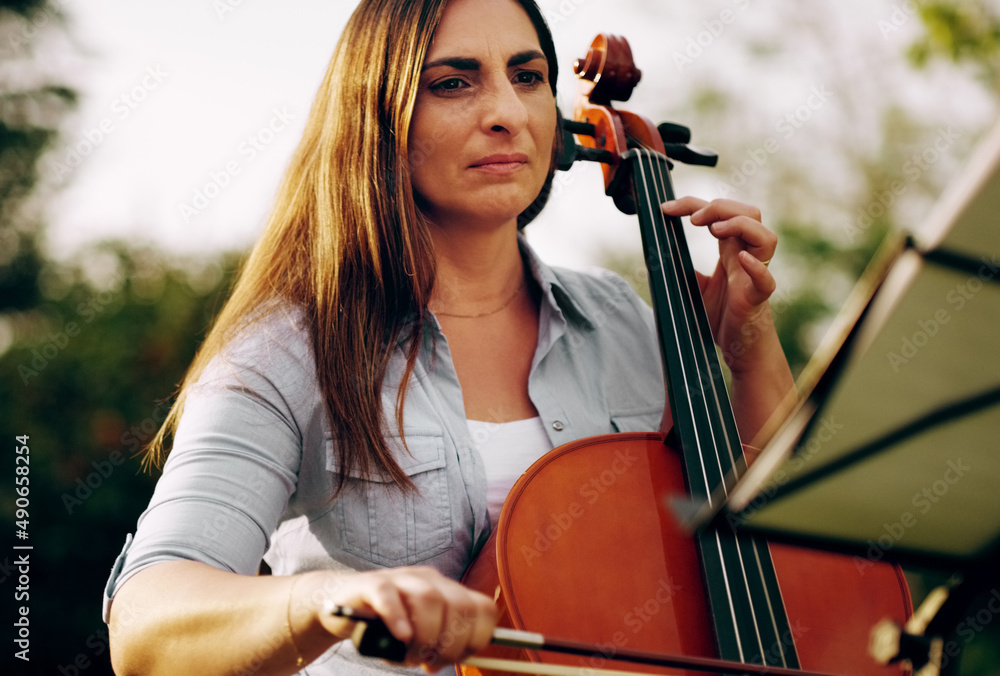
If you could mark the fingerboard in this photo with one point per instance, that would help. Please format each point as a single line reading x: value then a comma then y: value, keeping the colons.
x: 744, y: 598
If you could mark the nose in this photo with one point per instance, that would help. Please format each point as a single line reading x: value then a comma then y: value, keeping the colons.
x: 504, y: 111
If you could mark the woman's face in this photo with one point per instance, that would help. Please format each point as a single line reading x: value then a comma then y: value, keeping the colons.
x: 485, y: 117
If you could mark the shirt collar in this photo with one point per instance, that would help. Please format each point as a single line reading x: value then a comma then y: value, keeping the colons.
x: 554, y: 292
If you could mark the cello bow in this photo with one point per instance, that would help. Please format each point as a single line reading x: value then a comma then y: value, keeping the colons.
x: 372, y: 638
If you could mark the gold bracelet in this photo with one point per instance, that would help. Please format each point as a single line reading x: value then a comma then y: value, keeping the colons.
x: 299, y: 661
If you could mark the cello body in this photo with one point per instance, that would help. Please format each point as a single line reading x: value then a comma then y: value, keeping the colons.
x: 587, y: 548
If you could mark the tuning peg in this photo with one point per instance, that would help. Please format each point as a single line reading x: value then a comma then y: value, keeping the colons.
x: 688, y: 154
x: 676, y: 140
x: 573, y: 151
x: 581, y: 128
x: 673, y: 133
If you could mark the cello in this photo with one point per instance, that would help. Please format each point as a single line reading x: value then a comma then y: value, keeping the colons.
x: 586, y: 546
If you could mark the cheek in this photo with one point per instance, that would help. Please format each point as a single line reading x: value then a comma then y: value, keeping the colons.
x: 435, y: 139
x: 424, y: 149
x: 419, y: 142
x: 545, y: 131
x: 544, y: 116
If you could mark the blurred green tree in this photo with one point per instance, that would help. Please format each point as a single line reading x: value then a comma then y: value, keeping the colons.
x: 90, y: 349
x: 31, y: 107
x: 88, y: 382
x: 964, y: 33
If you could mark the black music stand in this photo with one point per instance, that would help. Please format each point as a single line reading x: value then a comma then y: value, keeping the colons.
x: 894, y: 450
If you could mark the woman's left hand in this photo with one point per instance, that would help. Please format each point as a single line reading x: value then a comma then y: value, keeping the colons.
x: 736, y: 293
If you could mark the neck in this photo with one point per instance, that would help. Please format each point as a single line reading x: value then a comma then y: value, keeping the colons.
x: 476, y: 271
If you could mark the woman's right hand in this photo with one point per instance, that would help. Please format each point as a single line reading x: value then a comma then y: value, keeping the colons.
x: 441, y: 621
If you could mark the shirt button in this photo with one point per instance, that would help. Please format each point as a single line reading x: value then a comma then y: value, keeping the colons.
x: 558, y: 426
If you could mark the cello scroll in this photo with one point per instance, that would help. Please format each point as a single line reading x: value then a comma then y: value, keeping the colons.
x: 608, y: 74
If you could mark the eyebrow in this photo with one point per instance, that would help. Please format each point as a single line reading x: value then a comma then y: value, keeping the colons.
x: 467, y: 63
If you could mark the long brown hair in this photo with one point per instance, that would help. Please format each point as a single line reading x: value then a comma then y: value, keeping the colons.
x: 345, y: 241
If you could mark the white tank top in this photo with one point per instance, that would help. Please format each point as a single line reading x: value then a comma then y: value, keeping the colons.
x: 507, y: 450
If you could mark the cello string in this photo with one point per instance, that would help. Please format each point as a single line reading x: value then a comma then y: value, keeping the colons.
x: 652, y: 215
x: 751, y: 567
x: 751, y: 560
x: 680, y: 324
x: 704, y: 348
x: 699, y: 348
x: 755, y: 543
x: 676, y: 327
x: 662, y: 174
x: 655, y: 217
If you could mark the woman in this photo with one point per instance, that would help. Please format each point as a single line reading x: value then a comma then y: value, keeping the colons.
x: 390, y: 310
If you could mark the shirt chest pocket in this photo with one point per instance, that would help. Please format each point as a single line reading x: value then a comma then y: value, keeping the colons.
x: 377, y: 521
x: 633, y: 421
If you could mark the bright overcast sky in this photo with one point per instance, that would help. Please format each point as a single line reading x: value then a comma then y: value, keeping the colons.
x: 209, y: 97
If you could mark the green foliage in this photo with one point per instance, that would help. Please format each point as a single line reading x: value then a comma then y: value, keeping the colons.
x: 23, y: 7
x: 29, y: 116
x: 816, y: 263
x: 963, y: 32
x: 89, y: 379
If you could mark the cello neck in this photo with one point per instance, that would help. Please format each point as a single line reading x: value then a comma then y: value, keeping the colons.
x: 703, y: 416
x: 745, y: 601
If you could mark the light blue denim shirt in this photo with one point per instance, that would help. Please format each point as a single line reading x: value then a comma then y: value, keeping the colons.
x: 254, y: 460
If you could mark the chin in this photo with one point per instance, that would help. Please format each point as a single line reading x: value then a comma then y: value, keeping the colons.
x: 491, y: 208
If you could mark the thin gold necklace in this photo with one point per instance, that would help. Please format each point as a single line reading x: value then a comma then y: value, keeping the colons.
x: 488, y: 312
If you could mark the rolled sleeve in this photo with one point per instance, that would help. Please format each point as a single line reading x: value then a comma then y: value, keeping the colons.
x: 234, y: 462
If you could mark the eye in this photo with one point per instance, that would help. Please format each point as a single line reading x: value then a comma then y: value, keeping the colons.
x: 450, y: 84
x: 529, y: 77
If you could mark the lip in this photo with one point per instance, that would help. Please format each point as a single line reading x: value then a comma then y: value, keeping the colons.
x: 500, y: 162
